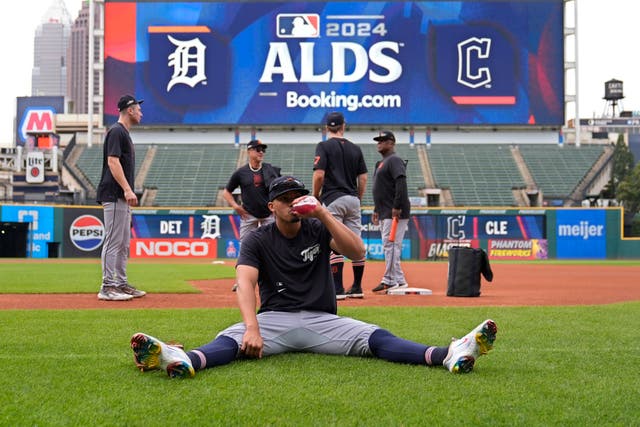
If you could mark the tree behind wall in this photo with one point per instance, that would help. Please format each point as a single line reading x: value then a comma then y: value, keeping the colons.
x: 629, y: 194
x: 622, y: 165
x: 629, y: 191
x: 623, y: 185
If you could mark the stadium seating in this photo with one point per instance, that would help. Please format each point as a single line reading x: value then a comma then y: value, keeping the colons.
x: 190, y: 174
x: 90, y: 161
x: 476, y: 174
x: 293, y: 159
x: 558, y: 170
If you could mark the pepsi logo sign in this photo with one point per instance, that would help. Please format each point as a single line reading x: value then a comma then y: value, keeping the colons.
x: 86, y: 233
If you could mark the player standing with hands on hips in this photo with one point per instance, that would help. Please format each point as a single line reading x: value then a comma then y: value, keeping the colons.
x: 115, y: 193
x: 289, y: 261
x: 253, y: 179
x: 339, y: 181
x: 391, y: 205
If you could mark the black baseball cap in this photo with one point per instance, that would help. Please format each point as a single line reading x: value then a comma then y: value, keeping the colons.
x: 127, y: 101
x: 255, y: 143
x: 284, y: 184
x: 385, y: 135
x: 335, y: 119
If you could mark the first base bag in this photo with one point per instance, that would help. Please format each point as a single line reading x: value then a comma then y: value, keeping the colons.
x: 465, y: 267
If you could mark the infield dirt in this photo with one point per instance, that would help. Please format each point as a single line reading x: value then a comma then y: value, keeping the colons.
x: 513, y: 285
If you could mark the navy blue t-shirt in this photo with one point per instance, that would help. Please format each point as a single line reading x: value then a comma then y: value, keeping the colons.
x: 254, y: 187
x: 117, y: 143
x: 294, y: 274
x: 342, y: 162
x: 390, y: 187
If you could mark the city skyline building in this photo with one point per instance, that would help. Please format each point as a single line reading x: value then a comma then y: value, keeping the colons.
x: 78, y: 62
x: 49, y: 73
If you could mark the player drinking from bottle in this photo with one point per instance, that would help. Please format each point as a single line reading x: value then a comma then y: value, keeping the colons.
x: 289, y: 261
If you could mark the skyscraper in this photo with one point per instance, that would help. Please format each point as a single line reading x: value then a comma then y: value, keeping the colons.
x: 78, y: 61
x: 49, y: 75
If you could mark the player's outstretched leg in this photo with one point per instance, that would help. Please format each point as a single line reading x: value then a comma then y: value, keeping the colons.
x: 151, y: 353
x: 463, y: 352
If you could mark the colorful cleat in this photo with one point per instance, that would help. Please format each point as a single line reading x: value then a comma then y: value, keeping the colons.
x: 150, y: 353
x: 463, y: 352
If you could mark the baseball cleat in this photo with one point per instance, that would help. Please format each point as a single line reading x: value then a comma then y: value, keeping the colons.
x: 463, y: 352
x: 382, y: 287
x: 113, y: 293
x: 355, y: 292
x: 150, y: 353
x: 130, y: 290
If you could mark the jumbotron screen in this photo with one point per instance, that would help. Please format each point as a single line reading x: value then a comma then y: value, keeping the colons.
x: 434, y: 63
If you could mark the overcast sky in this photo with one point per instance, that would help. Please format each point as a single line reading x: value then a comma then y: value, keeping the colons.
x: 607, y: 32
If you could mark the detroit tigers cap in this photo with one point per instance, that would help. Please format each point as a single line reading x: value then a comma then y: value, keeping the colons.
x: 127, y: 101
x: 385, y: 135
x: 255, y: 143
x: 284, y: 184
x: 335, y: 119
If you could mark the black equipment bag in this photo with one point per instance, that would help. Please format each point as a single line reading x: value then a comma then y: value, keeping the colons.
x: 465, y: 267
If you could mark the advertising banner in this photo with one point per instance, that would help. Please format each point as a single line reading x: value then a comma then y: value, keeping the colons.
x: 35, y: 167
x: 460, y: 226
x: 36, y: 114
x: 381, y: 62
x: 83, y: 233
x: 173, y: 248
x: 515, y: 249
x: 435, y: 249
x: 40, y: 219
x: 156, y: 234
x: 438, y: 233
x: 184, y: 234
x: 581, y: 233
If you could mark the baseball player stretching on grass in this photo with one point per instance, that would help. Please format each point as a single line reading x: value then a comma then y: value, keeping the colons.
x: 289, y: 261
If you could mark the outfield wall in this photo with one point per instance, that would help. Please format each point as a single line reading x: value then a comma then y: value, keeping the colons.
x: 506, y: 234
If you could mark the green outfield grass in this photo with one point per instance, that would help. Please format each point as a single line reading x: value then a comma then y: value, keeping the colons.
x: 86, y: 276
x: 559, y: 366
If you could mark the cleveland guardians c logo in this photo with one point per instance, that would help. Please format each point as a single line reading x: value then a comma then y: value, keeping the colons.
x: 471, y: 53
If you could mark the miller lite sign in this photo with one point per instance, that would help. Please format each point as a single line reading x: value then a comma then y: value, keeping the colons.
x: 35, y: 167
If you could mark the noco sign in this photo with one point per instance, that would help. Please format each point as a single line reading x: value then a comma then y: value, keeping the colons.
x: 173, y: 248
x: 433, y: 62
